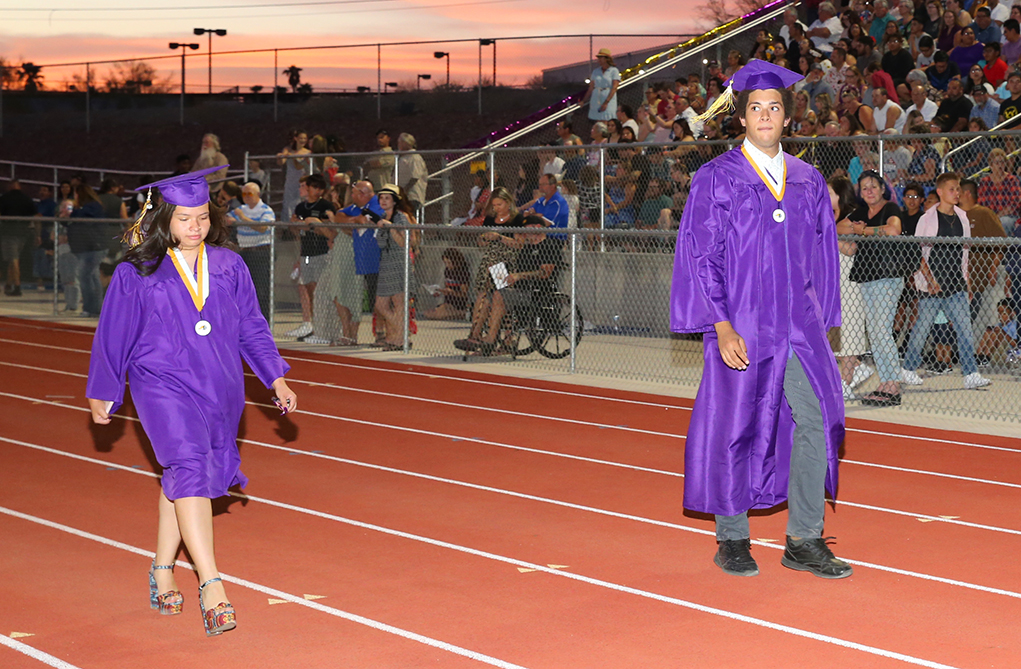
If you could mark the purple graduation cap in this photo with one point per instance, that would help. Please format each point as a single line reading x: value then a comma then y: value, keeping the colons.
x: 183, y: 190
x: 757, y: 75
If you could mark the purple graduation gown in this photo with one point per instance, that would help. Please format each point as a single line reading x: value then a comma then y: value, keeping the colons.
x: 188, y: 389
x: 778, y: 285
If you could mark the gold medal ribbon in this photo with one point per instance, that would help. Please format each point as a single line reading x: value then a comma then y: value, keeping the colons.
x: 197, y: 283
x: 765, y: 178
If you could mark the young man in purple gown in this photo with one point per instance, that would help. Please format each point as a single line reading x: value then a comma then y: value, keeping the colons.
x: 757, y: 271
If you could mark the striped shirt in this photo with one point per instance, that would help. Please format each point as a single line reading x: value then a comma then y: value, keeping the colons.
x: 249, y: 237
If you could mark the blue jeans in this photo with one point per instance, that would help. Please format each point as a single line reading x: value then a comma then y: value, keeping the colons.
x: 88, y: 280
x: 881, y: 298
x: 957, y: 311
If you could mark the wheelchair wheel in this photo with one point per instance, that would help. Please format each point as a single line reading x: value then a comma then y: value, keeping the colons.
x: 551, y: 334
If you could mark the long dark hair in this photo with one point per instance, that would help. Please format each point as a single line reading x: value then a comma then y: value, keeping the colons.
x: 148, y: 256
x: 847, y: 200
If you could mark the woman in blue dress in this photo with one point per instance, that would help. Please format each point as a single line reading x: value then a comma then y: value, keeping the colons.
x: 179, y: 315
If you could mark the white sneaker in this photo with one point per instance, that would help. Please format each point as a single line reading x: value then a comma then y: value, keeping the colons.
x: 316, y: 340
x: 848, y: 391
x: 302, y: 330
x: 910, y: 378
x: 975, y: 380
x: 861, y: 374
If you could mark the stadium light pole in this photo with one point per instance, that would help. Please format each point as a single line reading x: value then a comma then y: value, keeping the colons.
x: 210, y: 31
x: 183, y: 46
x: 482, y: 43
x: 390, y: 84
x: 444, y: 54
x: 418, y: 83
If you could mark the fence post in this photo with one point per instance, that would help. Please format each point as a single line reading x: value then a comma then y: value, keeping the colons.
x: 574, y: 299
x: 397, y: 170
x: 379, y: 81
x: 272, y: 278
x: 445, y: 185
x: 492, y: 172
x: 881, y: 156
x: 88, y: 91
x: 276, y: 70
x: 407, y: 290
x: 56, y: 260
x: 602, y: 198
x: 246, y: 171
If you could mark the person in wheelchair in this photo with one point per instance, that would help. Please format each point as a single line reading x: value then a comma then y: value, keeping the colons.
x: 536, y: 270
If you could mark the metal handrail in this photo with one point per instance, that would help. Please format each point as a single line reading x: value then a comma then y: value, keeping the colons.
x: 998, y: 126
x: 668, y: 63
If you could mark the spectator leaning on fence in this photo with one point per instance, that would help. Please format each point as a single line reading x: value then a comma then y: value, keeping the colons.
x: 983, y: 261
x: 314, y: 247
x: 1000, y: 190
x: 364, y: 210
x: 944, y: 280
x: 877, y: 269
x: 254, y: 239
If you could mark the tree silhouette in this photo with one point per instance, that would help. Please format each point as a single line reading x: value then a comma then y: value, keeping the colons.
x: 305, y: 89
x: 30, y: 75
x: 256, y: 89
x: 293, y: 77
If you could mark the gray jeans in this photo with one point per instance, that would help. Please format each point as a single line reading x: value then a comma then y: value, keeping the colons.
x: 806, y: 489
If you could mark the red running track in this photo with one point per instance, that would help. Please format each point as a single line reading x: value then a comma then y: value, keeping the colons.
x: 445, y: 519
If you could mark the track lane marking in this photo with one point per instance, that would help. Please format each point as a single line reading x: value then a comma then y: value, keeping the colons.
x: 880, y: 509
x: 701, y: 608
x: 272, y: 592
x: 535, y: 498
x: 893, y: 435
x: 35, y: 653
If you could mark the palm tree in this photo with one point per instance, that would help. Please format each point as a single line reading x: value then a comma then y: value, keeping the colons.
x: 30, y: 75
x: 293, y: 77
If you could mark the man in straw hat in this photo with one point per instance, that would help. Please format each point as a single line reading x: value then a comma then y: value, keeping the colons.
x: 757, y: 271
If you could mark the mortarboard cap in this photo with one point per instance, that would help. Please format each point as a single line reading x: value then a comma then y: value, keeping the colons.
x: 185, y: 190
x: 757, y: 75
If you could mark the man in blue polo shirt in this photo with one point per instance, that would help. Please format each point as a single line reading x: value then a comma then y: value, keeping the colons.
x: 551, y: 205
x: 364, y: 210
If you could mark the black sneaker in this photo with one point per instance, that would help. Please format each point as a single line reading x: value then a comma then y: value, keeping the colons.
x: 15, y: 291
x: 813, y: 555
x: 735, y: 557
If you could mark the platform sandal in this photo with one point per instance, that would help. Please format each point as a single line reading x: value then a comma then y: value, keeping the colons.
x: 169, y: 603
x: 218, y: 619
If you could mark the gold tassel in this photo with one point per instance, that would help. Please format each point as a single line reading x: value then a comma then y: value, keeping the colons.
x: 134, y: 236
x: 723, y: 104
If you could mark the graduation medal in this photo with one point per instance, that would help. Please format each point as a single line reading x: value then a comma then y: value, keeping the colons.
x: 197, y: 283
x: 779, y: 215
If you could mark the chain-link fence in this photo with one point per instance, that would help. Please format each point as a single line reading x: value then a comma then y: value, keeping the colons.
x: 598, y: 302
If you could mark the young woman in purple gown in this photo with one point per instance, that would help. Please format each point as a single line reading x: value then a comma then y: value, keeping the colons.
x: 180, y: 314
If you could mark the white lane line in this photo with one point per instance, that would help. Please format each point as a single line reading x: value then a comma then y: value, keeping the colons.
x: 928, y: 473
x: 278, y: 594
x: 556, y: 392
x: 935, y: 519
x: 911, y: 437
x: 552, y: 453
x: 476, y: 407
x: 553, y: 502
x: 35, y: 653
x: 47, y: 346
x: 460, y: 405
x: 758, y: 622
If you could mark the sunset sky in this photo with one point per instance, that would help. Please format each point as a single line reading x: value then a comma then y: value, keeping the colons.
x: 77, y: 31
